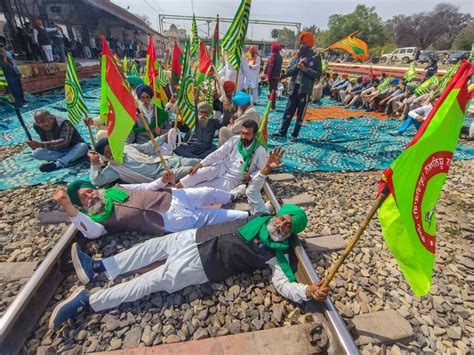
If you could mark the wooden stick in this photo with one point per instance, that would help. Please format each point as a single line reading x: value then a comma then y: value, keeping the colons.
x: 378, y: 202
x: 152, y: 138
x: 91, y: 136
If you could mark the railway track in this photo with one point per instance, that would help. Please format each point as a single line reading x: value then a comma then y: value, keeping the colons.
x: 26, y: 315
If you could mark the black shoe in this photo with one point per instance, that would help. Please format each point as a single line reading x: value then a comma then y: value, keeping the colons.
x: 278, y: 134
x: 48, y: 167
x: 395, y: 133
x: 293, y: 139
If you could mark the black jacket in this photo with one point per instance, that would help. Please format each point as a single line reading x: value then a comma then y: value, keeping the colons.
x: 307, y: 78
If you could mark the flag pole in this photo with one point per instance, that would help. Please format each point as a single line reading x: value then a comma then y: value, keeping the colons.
x: 18, y: 114
x: 153, y: 142
x: 378, y: 202
x: 91, y: 135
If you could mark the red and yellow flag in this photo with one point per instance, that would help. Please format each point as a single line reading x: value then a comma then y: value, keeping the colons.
x: 152, y: 75
x: 117, y: 105
x: 415, y: 180
x: 354, y: 46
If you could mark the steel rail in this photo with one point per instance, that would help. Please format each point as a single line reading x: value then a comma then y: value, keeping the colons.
x: 28, y: 292
x: 344, y: 337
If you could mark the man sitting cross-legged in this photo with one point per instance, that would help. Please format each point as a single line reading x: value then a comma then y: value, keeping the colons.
x: 197, y: 142
x: 196, y: 256
x: 60, y: 142
x: 148, y: 208
x: 140, y: 163
x: 232, y: 164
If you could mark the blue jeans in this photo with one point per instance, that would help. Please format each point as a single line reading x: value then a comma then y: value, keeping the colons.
x: 62, y: 156
x: 408, y: 122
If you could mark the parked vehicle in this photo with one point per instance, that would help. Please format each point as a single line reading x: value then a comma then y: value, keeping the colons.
x: 425, y: 56
x: 457, y: 56
x: 404, y: 55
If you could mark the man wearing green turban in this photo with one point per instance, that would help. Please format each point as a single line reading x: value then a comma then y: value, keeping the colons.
x: 196, y: 256
x: 148, y: 208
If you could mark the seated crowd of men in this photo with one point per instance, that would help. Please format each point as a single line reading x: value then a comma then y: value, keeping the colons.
x: 201, y: 243
x: 398, y: 100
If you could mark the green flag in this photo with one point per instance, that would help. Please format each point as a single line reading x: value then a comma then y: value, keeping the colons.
x: 3, y: 80
x: 410, y: 73
x: 186, y: 103
x: 324, y: 65
x: 194, y: 39
x: 209, y: 98
x: 126, y: 66
x: 425, y: 86
x: 233, y: 41
x: 471, y: 56
x: 76, y: 107
x: 415, y: 180
x: 134, y: 69
x: 447, y: 77
x: 384, y: 84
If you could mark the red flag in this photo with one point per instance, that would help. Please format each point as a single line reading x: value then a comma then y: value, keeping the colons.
x: 176, y: 66
x: 205, y: 64
x: 150, y: 72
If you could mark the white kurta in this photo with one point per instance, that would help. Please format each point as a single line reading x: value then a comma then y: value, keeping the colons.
x: 183, y: 267
x: 223, y: 167
x: 228, y: 73
x: 186, y: 210
x: 252, y: 75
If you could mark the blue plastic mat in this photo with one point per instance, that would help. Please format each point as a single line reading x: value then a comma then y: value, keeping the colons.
x: 352, y: 144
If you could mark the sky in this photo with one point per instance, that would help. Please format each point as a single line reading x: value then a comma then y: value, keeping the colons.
x: 308, y: 12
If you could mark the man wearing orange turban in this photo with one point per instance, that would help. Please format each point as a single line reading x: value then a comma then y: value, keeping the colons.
x: 304, y: 70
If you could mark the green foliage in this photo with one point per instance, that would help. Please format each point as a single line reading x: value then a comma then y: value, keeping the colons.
x: 315, y: 30
x: 364, y: 19
x: 465, y: 37
x: 436, y: 28
x: 274, y: 33
x: 284, y: 36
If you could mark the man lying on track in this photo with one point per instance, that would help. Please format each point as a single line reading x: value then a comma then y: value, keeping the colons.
x: 149, y: 208
x: 196, y: 256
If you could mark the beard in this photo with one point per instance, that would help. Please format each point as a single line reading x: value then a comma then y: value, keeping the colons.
x: 246, y: 142
x: 97, y: 203
x: 303, y: 52
x: 276, y: 235
x: 203, y: 122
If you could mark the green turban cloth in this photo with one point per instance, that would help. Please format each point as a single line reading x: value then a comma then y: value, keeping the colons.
x: 73, y: 190
x: 111, y: 195
x: 135, y: 80
x: 257, y: 227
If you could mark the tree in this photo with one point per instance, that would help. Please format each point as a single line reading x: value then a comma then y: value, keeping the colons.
x: 274, y: 33
x: 284, y: 36
x: 315, y: 30
x: 364, y: 19
x: 438, y: 27
x: 465, y: 38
